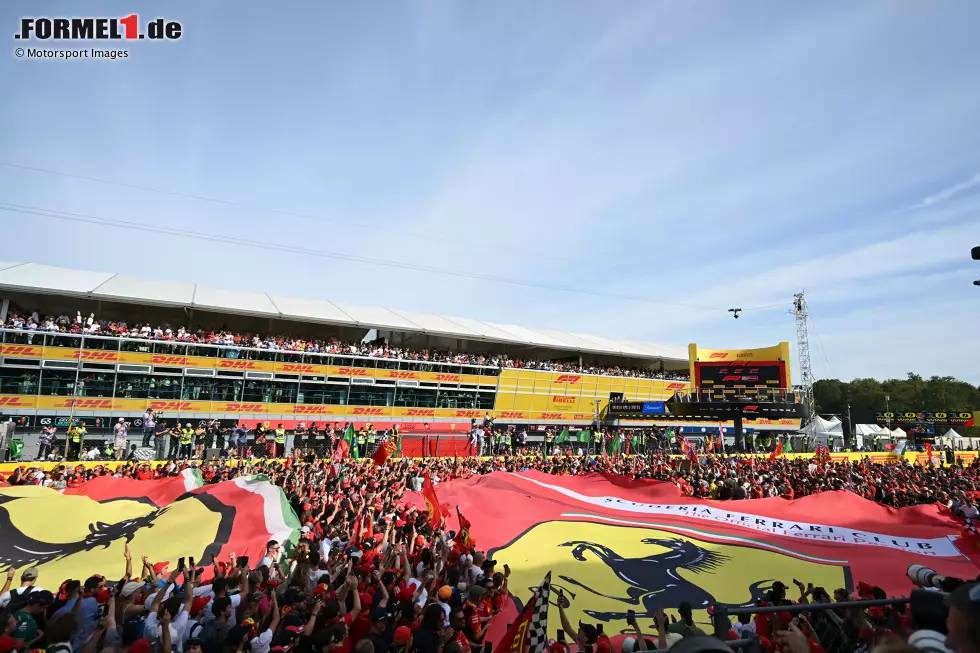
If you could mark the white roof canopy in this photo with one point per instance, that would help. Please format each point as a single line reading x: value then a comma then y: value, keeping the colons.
x: 44, y: 279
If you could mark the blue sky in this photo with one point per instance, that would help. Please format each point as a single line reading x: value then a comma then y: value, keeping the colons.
x: 714, y: 154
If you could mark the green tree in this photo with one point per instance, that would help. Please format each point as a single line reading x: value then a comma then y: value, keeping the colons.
x: 913, y: 393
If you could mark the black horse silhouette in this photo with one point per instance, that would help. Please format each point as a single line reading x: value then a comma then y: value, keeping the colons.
x: 18, y: 549
x: 653, y: 580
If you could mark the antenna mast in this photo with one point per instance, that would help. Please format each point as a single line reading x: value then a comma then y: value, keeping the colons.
x: 806, y: 371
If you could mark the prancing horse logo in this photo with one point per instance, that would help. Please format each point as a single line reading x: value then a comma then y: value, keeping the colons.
x: 653, y: 581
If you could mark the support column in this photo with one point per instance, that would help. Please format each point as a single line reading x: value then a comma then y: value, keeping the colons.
x: 4, y: 307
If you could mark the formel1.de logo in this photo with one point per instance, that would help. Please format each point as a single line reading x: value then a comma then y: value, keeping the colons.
x: 97, y: 29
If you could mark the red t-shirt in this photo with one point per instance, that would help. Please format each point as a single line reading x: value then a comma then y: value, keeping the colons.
x: 473, y: 626
x: 463, y: 642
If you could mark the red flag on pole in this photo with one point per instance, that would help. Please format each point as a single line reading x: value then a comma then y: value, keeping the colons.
x: 384, y: 452
x: 431, y: 502
x: 462, y: 538
x: 343, y: 448
x: 778, y: 451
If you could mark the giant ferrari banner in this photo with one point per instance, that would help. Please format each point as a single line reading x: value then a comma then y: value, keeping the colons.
x: 614, y: 545
x: 83, y: 531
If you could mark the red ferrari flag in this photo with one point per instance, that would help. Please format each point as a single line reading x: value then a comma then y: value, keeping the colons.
x: 613, y: 538
x: 78, y: 532
x: 688, y: 450
x: 778, y: 451
x: 384, y: 452
x: 530, y: 630
x: 431, y: 502
x: 462, y: 538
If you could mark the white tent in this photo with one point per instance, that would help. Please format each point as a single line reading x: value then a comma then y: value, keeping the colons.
x: 870, y: 430
x: 899, y: 433
x: 951, y: 435
x: 832, y: 425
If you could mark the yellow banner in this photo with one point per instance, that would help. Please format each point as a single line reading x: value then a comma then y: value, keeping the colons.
x: 775, y: 353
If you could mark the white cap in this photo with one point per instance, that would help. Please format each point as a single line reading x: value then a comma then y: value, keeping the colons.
x: 629, y: 645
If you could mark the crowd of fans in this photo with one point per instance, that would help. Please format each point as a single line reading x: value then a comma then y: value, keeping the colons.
x: 370, y: 575
x: 80, y: 324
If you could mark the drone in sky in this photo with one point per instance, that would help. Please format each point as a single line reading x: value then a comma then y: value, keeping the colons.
x: 735, y: 312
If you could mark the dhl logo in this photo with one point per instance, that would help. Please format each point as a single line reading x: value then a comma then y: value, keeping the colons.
x: 12, y: 402
x: 421, y: 412
x: 568, y: 378
x: 718, y: 354
x: 467, y: 413
x: 19, y: 350
x: 394, y: 374
x: 293, y: 367
x: 171, y: 405
x: 510, y: 414
x: 243, y: 408
x: 352, y: 371
x: 551, y: 415
x: 236, y: 365
x: 160, y: 359
x: 308, y: 410
x: 100, y: 356
x: 89, y: 404
x: 564, y: 400
x: 676, y: 386
x: 447, y: 377
x: 367, y: 411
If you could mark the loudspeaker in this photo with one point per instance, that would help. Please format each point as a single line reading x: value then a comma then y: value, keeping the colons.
x: 975, y: 253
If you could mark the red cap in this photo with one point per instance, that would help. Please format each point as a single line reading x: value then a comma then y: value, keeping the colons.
x: 103, y: 595
x: 160, y: 566
x: 402, y: 633
x: 141, y: 645
x: 366, y: 600
x: 199, y: 603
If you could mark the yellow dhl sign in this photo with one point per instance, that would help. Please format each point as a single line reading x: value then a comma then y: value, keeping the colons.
x: 10, y: 404
x: 203, y: 362
x: 524, y: 382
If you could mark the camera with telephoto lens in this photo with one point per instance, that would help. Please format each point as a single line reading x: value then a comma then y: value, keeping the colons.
x: 928, y: 578
x: 929, y: 608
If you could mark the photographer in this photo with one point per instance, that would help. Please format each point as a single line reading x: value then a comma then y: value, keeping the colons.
x: 963, y: 619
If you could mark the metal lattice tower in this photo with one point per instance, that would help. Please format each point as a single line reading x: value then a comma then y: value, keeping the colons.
x: 803, y: 351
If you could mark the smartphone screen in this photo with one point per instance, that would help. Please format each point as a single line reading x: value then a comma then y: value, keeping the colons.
x: 561, y: 635
x: 180, y: 564
x: 631, y: 614
x: 191, y: 562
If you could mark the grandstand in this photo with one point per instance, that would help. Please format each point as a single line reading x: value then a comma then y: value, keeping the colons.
x: 328, y: 362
